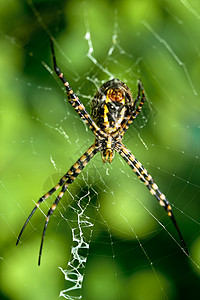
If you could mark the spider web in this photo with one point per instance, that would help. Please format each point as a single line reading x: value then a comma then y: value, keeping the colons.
x: 119, y: 243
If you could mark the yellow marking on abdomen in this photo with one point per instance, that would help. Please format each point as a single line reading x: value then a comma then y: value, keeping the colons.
x: 105, y: 116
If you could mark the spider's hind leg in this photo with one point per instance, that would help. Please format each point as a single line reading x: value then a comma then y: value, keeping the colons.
x: 73, y: 172
x: 143, y: 175
x: 42, y: 199
x: 67, y: 179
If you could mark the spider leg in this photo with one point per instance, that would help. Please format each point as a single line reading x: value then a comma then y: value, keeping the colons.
x: 143, y: 99
x: 43, y: 198
x: 67, y: 179
x: 137, y: 110
x: 50, y: 212
x: 74, y: 100
x: 143, y: 175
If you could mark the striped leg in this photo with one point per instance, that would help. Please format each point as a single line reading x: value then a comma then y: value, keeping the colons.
x: 43, y: 198
x: 137, y: 110
x: 143, y: 99
x: 143, y: 175
x: 67, y: 179
x: 75, y: 102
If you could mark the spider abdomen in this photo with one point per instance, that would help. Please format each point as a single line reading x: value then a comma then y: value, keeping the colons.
x: 111, y: 105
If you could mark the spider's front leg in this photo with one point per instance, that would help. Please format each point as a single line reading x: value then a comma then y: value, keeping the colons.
x: 64, y: 182
x: 143, y: 175
x: 143, y: 99
x: 136, y: 109
x: 75, y: 101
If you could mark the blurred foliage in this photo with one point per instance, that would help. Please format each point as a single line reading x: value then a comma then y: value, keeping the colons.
x: 156, y: 41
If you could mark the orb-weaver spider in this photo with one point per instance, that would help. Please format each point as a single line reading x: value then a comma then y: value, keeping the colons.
x: 113, y: 110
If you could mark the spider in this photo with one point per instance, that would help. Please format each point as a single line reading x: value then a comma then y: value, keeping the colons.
x: 112, y: 112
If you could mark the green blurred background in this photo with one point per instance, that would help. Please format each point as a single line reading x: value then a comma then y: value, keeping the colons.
x: 41, y: 137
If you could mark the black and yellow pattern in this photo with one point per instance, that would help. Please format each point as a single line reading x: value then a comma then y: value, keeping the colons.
x: 112, y: 112
x: 143, y: 175
x: 64, y: 182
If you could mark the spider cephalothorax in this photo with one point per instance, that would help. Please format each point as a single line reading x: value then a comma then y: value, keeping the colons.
x: 113, y: 110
